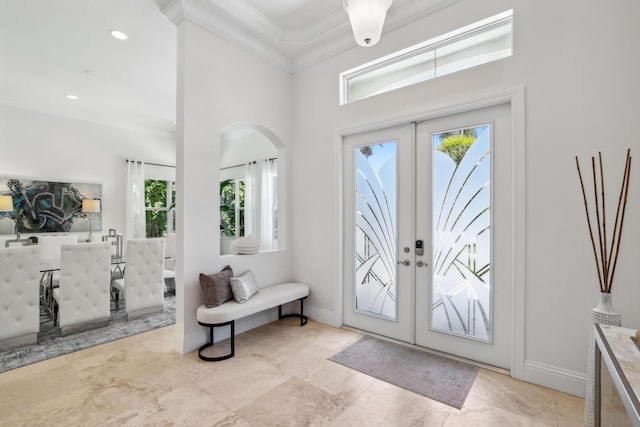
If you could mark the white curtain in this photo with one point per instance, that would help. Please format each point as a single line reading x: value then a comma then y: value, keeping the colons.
x: 267, y: 203
x: 136, y: 215
x: 251, y: 201
x: 259, y: 202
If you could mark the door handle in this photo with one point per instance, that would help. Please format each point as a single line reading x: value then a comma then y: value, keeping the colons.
x: 405, y: 262
x: 420, y: 263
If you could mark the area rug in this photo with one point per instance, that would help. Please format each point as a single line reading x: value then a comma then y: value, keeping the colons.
x: 51, y: 344
x: 436, y: 377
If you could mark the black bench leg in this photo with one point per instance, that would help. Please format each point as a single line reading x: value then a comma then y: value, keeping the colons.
x: 232, y: 339
x: 303, y: 318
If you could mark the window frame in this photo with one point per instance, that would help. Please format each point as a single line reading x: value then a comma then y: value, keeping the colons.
x: 432, y: 45
x: 238, y: 208
x: 169, y: 208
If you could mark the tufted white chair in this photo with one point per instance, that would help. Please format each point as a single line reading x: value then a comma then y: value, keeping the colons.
x: 50, y: 245
x: 82, y: 300
x: 170, y: 262
x: 19, y: 296
x: 50, y: 251
x: 143, y: 282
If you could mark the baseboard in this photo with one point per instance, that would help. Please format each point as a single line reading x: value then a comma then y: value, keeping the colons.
x: 563, y: 380
x: 321, y: 315
x: 194, y: 340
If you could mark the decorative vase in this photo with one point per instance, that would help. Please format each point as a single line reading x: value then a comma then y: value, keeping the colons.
x: 603, y: 314
x: 245, y: 246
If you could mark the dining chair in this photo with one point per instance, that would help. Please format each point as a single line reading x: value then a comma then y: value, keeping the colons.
x: 50, y: 251
x: 143, y: 284
x: 82, y: 300
x: 50, y: 245
x: 19, y: 296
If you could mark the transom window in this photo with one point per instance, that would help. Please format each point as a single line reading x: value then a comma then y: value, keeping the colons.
x: 479, y: 43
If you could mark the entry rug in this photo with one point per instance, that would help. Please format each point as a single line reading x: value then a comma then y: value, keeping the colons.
x: 436, y: 377
x: 51, y: 344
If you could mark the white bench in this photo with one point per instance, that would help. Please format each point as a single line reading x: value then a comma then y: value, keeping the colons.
x: 268, y: 297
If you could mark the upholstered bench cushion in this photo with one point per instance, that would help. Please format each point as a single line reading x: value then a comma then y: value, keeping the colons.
x: 268, y: 297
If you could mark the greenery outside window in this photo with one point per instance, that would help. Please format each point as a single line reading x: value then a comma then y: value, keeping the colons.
x: 159, y: 197
x: 232, y: 208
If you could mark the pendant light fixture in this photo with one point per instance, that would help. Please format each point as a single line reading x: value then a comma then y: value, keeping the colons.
x: 367, y: 18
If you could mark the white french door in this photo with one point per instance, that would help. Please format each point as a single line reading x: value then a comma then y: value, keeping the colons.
x: 428, y: 232
x: 378, y: 215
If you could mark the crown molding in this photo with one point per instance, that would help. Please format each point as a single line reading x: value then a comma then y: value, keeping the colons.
x: 413, y: 11
x: 209, y: 15
x: 324, y: 48
x: 289, y: 50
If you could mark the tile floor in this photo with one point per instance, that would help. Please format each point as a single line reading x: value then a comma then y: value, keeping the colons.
x: 280, y: 376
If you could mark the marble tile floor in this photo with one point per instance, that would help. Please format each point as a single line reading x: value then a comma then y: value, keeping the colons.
x: 279, y: 377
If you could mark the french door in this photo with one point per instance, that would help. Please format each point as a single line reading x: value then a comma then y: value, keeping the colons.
x: 379, y: 215
x: 428, y: 231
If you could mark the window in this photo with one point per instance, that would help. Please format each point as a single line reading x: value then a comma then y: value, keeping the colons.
x: 249, y: 203
x: 274, y: 209
x: 232, y: 217
x: 476, y: 44
x: 159, y: 202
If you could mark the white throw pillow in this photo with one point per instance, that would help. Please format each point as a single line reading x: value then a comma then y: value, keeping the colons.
x: 244, y: 287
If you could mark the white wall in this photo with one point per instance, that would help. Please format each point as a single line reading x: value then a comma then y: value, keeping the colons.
x: 578, y: 63
x: 251, y: 146
x: 40, y: 146
x: 219, y: 85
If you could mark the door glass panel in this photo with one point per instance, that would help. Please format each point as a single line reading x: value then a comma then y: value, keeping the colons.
x: 376, y: 229
x: 461, y: 223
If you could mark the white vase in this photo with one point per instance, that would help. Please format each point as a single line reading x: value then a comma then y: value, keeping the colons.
x: 603, y: 314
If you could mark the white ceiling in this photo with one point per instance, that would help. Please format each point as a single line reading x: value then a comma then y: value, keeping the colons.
x: 50, y: 48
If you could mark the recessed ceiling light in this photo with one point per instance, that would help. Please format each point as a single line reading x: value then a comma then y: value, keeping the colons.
x: 118, y: 34
x: 73, y: 97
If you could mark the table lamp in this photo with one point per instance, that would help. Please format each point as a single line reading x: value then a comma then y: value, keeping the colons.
x: 6, y: 205
x: 90, y: 206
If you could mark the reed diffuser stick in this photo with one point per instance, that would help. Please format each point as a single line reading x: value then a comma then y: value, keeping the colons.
x: 593, y: 244
x: 606, y: 255
x: 622, y: 208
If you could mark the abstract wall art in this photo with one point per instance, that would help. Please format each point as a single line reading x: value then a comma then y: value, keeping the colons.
x: 48, y: 206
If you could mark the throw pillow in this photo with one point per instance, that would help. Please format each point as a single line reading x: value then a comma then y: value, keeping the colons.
x: 244, y: 287
x: 215, y: 289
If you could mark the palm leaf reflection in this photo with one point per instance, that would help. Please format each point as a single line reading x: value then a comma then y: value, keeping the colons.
x: 461, y: 233
x: 376, y: 229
